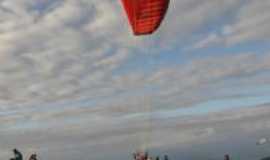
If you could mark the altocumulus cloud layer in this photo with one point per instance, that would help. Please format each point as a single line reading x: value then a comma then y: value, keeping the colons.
x: 75, y: 83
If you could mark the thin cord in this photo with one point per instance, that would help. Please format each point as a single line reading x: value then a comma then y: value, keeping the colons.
x: 147, y: 98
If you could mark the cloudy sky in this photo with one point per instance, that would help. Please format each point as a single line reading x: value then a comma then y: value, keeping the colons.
x: 76, y: 84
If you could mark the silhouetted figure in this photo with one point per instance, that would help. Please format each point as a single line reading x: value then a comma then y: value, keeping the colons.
x: 226, y: 157
x: 166, y: 157
x: 146, y: 156
x: 17, y: 155
x: 138, y: 156
x: 141, y: 155
x: 157, y: 158
x: 134, y: 156
x: 33, y: 157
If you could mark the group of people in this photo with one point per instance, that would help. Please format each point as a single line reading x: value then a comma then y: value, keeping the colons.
x: 137, y: 156
x: 19, y: 156
x: 145, y: 156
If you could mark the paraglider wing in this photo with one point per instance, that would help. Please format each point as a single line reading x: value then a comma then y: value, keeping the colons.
x: 145, y: 16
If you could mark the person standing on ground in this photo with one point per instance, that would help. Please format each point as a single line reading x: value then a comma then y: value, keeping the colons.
x: 18, y: 155
x: 166, y: 157
x: 33, y: 157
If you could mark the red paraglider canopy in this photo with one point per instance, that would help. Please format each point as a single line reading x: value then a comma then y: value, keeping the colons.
x: 145, y: 16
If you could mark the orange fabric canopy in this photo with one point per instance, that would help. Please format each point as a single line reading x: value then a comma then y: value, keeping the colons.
x: 145, y: 16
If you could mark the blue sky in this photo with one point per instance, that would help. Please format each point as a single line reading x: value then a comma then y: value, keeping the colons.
x: 75, y: 81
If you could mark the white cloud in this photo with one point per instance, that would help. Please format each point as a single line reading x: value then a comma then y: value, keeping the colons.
x: 44, y: 56
x: 262, y: 141
x: 65, y: 59
x: 250, y: 23
x: 56, y: 50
